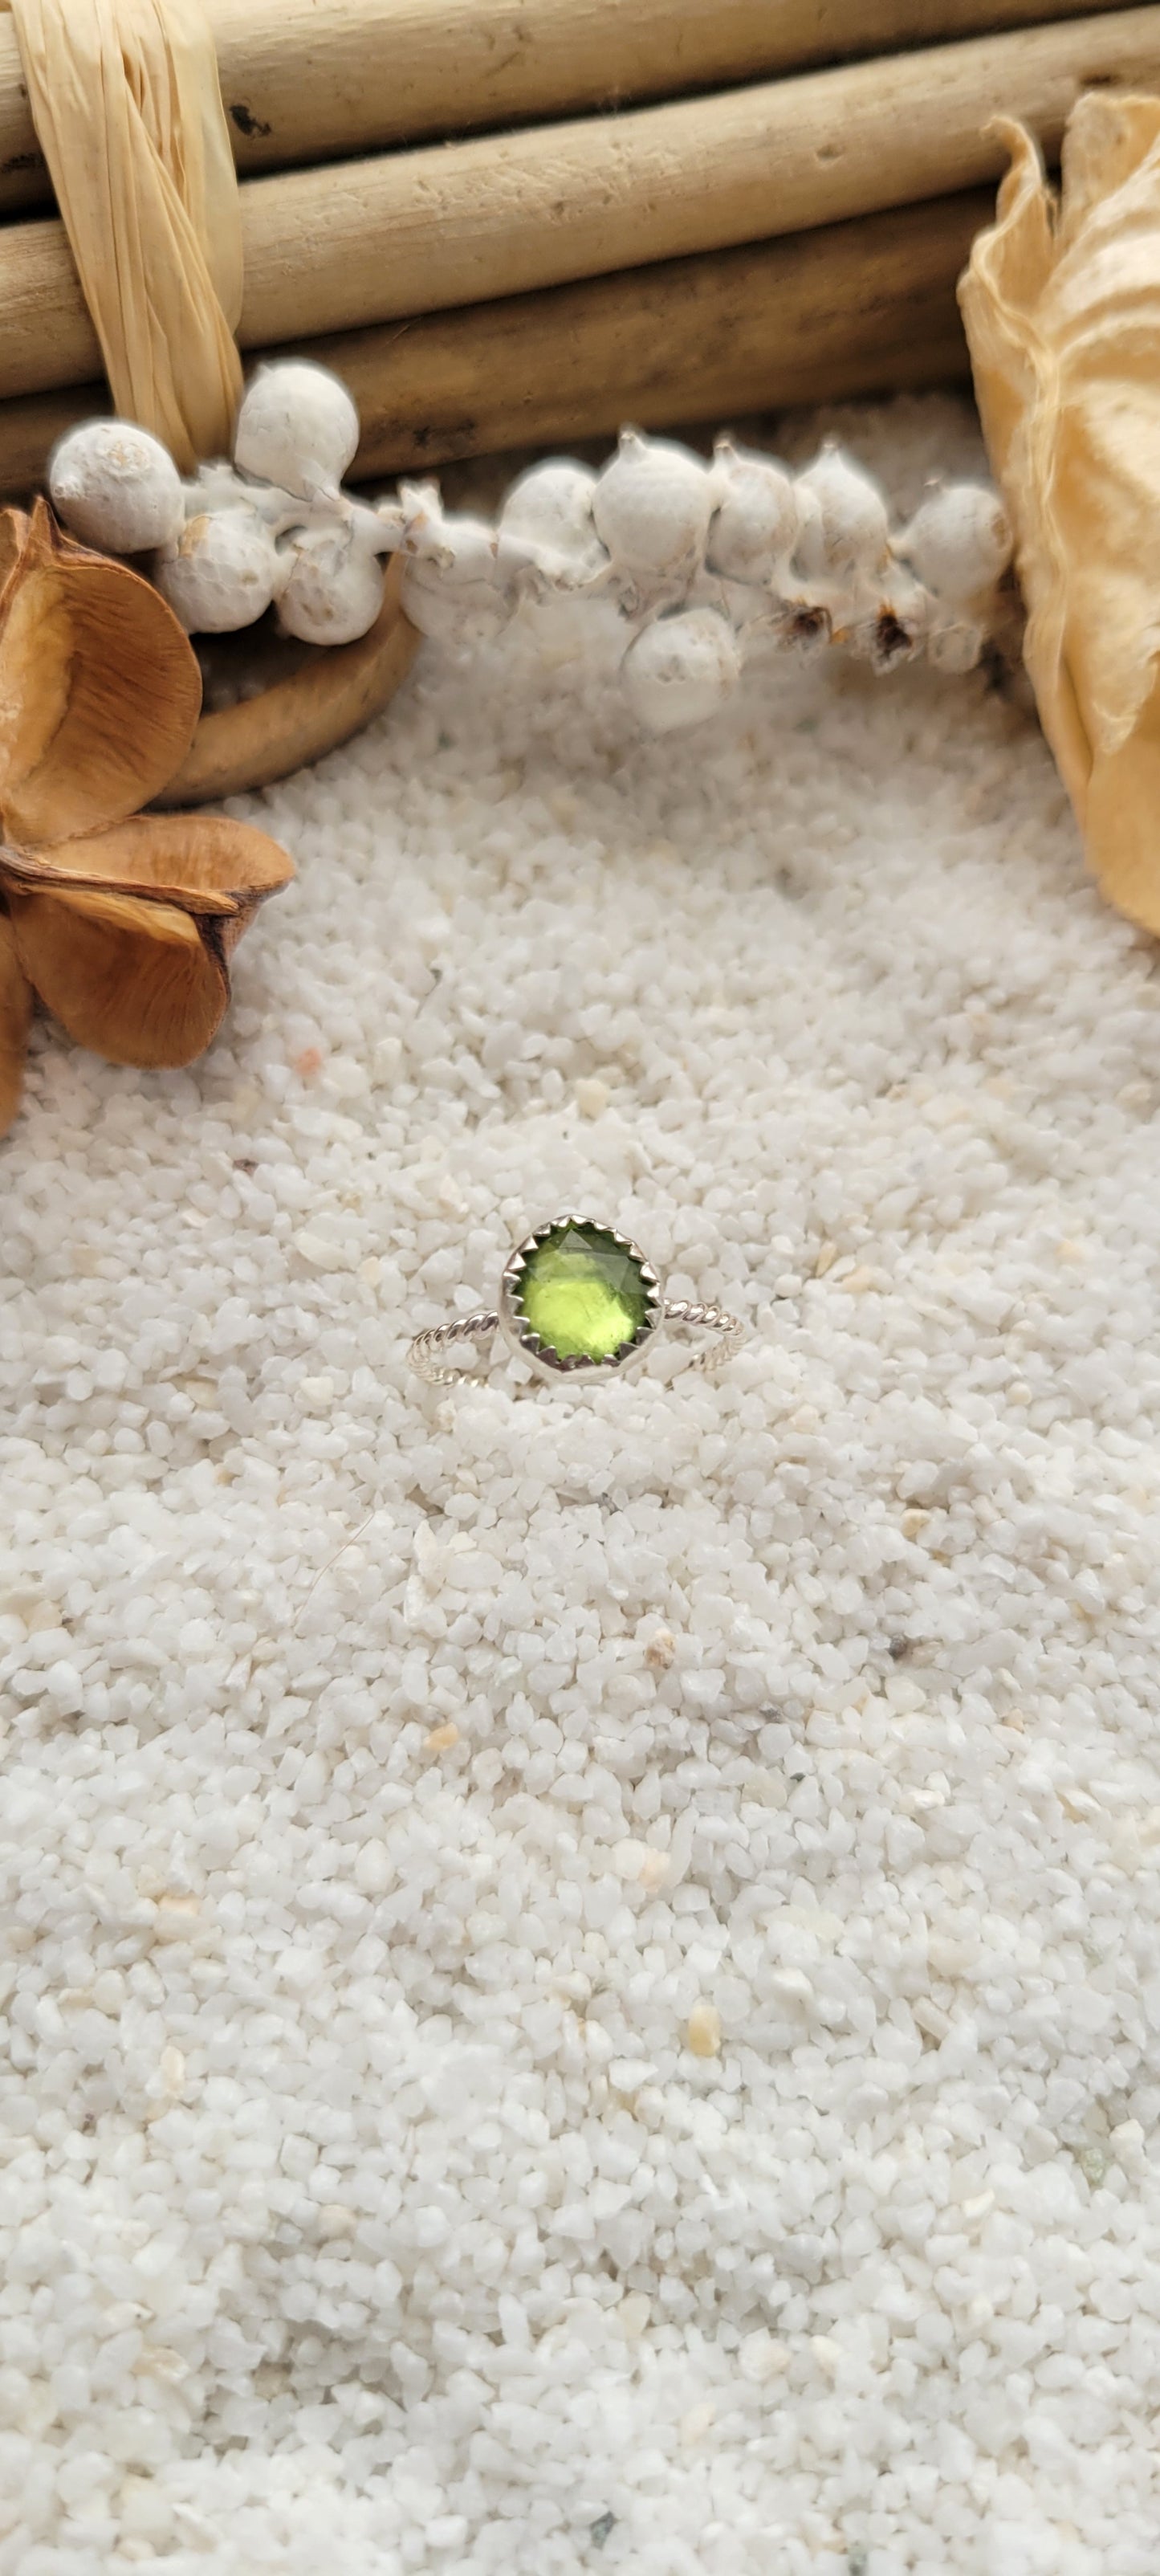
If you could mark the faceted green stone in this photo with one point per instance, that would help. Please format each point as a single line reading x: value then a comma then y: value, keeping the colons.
x: 583, y: 1293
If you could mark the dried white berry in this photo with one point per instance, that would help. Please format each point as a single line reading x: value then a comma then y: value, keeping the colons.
x: 891, y: 622
x: 802, y: 623
x: 216, y: 486
x: 652, y: 507
x: 958, y: 542
x: 547, y: 534
x: 116, y: 487
x: 464, y: 546
x: 452, y: 606
x: 221, y: 574
x: 451, y: 585
x: 297, y: 426
x: 851, y: 532
x: 956, y: 646
x: 455, y: 543
x: 681, y: 669
x: 759, y: 517
x: 331, y: 585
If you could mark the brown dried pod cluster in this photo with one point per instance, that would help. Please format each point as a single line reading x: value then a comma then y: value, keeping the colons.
x: 1061, y: 302
x: 121, y: 923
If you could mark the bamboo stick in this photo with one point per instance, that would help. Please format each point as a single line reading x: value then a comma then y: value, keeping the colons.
x: 374, y: 241
x: 853, y: 308
x: 313, y: 80
x: 850, y: 309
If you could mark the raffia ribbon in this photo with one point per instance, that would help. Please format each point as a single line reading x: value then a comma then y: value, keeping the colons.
x: 129, y: 115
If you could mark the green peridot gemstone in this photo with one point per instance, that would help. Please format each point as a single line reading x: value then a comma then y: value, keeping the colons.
x: 583, y: 1293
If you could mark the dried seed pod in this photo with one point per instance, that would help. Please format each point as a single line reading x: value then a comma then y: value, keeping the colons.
x: 131, y: 980
x: 116, y: 487
x: 651, y: 509
x: 99, y: 689
x: 15, y: 1022
x: 297, y: 427
x: 221, y: 574
x: 127, y: 934
x: 123, y: 924
x: 681, y: 669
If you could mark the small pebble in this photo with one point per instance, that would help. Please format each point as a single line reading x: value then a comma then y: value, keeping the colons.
x: 704, y: 2030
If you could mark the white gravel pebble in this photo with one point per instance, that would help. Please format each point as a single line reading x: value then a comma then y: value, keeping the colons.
x: 391, y: 1777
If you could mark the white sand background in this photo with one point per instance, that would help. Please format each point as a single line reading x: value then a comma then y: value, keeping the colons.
x: 390, y: 1776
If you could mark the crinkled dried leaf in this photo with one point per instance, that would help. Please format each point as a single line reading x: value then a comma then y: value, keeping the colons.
x: 203, y: 862
x: 1062, y: 311
x: 15, y: 1021
x: 138, y: 981
x: 99, y: 688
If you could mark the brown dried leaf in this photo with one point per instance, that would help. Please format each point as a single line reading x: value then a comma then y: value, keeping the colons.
x: 99, y: 688
x: 137, y: 980
x: 15, y: 1020
x: 1062, y: 310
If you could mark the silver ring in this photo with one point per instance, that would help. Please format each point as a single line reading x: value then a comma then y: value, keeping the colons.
x: 579, y: 1301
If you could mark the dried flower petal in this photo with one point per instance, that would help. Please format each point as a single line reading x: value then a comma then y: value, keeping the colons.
x: 15, y: 1020
x: 203, y: 862
x: 135, y: 961
x: 13, y: 538
x: 99, y: 688
x: 139, y: 982
x: 1062, y: 311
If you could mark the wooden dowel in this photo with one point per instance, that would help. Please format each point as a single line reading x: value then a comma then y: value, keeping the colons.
x: 313, y: 80
x: 855, y: 308
x: 373, y: 241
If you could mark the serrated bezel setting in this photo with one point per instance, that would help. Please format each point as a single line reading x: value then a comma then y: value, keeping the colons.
x: 539, y: 1354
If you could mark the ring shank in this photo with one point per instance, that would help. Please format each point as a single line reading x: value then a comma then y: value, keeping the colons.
x: 428, y: 1348
x: 728, y: 1330
x: 431, y: 1350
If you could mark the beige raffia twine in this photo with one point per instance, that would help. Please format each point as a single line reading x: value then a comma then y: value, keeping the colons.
x: 129, y: 116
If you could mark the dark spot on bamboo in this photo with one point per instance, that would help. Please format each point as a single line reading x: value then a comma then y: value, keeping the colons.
x: 246, y: 121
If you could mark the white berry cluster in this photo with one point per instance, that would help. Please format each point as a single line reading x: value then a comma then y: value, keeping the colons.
x: 704, y: 562
x: 709, y: 562
x: 272, y: 528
